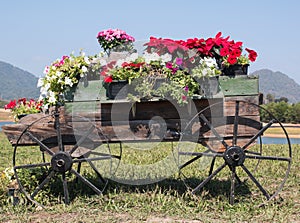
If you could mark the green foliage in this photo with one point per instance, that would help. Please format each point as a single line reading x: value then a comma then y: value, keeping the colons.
x: 283, y: 111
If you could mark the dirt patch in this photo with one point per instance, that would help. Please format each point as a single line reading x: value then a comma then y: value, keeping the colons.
x: 5, y: 115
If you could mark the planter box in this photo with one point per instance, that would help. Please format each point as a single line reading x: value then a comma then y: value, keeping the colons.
x: 239, y: 85
x: 235, y: 69
x: 117, y: 90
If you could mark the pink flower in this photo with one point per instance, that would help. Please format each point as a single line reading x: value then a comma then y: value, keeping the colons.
x: 178, y: 61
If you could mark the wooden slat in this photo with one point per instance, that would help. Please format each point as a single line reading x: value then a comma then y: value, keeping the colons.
x: 245, y: 106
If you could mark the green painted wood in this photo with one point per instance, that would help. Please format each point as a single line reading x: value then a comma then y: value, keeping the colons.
x: 239, y: 85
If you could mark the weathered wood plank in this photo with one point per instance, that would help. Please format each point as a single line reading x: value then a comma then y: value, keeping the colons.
x: 247, y: 105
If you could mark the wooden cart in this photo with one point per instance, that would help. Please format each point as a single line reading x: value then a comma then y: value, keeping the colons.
x: 224, y: 128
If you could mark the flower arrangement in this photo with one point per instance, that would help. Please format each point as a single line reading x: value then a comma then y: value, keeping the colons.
x: 62, y: 76
x: 115, y: 39
x: 23, y: 106
x: 226, y: 52
x: 143, y: 72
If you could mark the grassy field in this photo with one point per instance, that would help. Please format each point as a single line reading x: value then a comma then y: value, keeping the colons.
x: 165, y: 201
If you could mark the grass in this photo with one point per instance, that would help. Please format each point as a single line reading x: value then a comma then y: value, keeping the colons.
x: 164, y: 201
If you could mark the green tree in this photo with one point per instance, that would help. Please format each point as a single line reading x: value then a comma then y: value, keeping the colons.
x: 270, y: 98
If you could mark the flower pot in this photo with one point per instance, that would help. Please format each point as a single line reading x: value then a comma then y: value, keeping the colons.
x: 21, y: 116
x: 209, y: 85
x: 117, y: 89
x: 236, y: 69
x: 70, y: 93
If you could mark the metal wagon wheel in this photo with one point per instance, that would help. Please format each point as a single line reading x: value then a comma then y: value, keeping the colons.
x: 49, y: 173
x: 233, y: 142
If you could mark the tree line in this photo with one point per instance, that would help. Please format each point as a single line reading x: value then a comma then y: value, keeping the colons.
x: 280, y: 109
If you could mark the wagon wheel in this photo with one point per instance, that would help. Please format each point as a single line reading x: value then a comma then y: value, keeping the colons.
x: 65, y: 164
x: 230, y: 143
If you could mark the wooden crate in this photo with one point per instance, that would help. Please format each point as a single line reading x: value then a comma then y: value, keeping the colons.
x: 153, y: 120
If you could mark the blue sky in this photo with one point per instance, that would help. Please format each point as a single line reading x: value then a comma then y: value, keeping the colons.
x: 34, y: 33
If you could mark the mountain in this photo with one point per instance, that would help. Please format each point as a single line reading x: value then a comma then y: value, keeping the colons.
x: 17, y: 83
x: 278, y: 84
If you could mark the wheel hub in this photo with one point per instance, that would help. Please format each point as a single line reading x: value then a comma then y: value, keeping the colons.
x: 234, y: 156
x: 61, y: 162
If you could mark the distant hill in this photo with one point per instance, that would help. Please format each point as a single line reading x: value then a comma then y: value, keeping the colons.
x: 16, y: 83
x: 278, y: 84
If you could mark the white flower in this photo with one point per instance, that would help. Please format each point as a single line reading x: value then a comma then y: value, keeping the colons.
x: 210, y: 62
x: 68, y: 81
x: 58, y: 73
x: 87, y: 61
x: 132, y: 57
x: 46, y: 70
x: 52, y: 98
x: 40, y: 82
x: 166, y: 57
x: 102, y: 62
x: 150, y: 57
x: 84, y: 69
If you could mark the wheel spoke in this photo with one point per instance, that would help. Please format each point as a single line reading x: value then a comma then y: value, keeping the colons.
x: 96, y: 171
x: 27, y: 166
x: 42, y: 145
x: 213, y: 130
x: 65, y: 187
x: 189, y: 162
x: 40, y: 187
x: 84, y: 180
x: 236, y: 176
x: 58, y: 132
x: 212, y: 166
x: 236, y: 122
x: 252, y: 152
x: 81, y: 160
x: 202, y: 184
x: 265, y: 193
x: 259, y: 133
x: 288, y: 159
x: 105, y: 155
x: 81, y: 140
x: 232, y: 186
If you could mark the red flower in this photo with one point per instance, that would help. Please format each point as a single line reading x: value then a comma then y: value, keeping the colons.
x: 22, y: 101
x: 224, y: 52
x: 11, y: 105
x: 108, y: 79
x: 252, y: 54
x: 232, y: 60
x: 236, y: 53
x: 134, y: 65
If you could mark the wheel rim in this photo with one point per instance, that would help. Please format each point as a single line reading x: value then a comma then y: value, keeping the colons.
x: 246, y: 157
x: 54, y: 164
